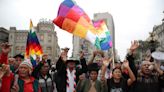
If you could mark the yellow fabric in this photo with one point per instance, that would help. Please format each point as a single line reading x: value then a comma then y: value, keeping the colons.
x: 80, y: 31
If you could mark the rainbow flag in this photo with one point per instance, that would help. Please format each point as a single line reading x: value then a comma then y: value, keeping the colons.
x: 74, y: 20
x: 33, y: 46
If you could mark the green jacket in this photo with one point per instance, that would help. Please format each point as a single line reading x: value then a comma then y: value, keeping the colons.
x: 85, y: 85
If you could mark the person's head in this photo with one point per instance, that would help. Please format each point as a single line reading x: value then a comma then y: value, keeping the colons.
x: 117, y: 73
x: 45, y: 57
x: 45, y: 69
x: 11, y: 61
x: 137, y: 65
x: 145, y: 67
x: 71, y: 64
x: 99, y: 62
x: 118, y: 64
x: 19, y: 58
x: 25, y: 69
x: 37, y: 58
x: 93, y: 71
x: 93, y: 74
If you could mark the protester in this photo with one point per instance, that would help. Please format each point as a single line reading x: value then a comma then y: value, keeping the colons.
x: 45, y: 59
x: 41, y: 72
x: 92, y: 84
x: 19, y: 59
x: 67, y: 73
x: 146, y: 79
x: 25, y: 82
x: 6, y: 78
x: 4, y: 55
x: 117, y: 83
x: 98, y: 57
x: 125, y: 77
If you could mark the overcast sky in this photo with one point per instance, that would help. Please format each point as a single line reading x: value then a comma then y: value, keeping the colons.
x: 133, y: 19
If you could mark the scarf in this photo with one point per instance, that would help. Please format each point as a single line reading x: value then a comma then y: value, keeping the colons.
x: 71, y: 81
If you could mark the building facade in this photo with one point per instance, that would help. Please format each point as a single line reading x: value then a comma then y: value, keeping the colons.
x: 159, y: 34
x: 80, y: 44
x: 155, y: 41
x: 4, y: 34
x: 46, y: 35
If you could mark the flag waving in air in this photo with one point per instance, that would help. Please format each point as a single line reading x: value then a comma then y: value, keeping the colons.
x: 73, y: 19
x: 33, y: 46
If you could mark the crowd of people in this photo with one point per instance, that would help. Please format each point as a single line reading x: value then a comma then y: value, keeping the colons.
x: 70, y: 75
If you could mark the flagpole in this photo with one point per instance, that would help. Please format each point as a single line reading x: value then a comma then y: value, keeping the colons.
x: 113, y: 56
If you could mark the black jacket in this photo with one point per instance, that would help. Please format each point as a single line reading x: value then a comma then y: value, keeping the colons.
x: 60, y: 76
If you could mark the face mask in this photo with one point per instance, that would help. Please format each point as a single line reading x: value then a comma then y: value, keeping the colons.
x: 162, y: 68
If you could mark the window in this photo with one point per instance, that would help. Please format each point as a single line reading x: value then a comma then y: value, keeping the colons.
x: 41, y: 37
x: 11, y: 37
x: 49, y: 38
x: 17, y: 48
x: 50, y: 55
x: 17, y: 37
x: 22, y: 48
x: 49, y: 48
x: 25, y: 38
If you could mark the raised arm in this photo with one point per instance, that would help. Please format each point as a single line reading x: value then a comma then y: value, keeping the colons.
x: 157, y: 68
x: 37, y: 70
x: 83, y: 63
x: 61, y: 61
x: 130, y: 57
x: 92, y: 58
x: 131, y: 75
x: 4, y: 55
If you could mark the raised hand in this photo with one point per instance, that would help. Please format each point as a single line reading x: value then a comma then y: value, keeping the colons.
x: 106, y: 61
x: 4, y: 70
x: 81, y: 54
x: 134, y: 45
x: 63, y: 56
x: 126, y: 64
x: 15, y: 88
x: 94, y: 53
x: 156, y: 65
x: 5, y: 48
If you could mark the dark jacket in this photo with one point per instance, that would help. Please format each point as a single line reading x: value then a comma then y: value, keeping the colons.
x: 142, y: 84
x: 147, y: 84
x: 60, y: 76
x: 46, y: 84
